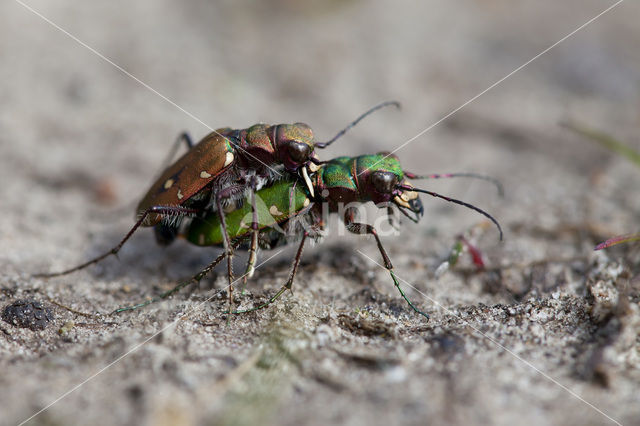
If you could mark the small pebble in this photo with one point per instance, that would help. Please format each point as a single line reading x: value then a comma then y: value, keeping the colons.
x: 27, y: 313
x: 66, y: 328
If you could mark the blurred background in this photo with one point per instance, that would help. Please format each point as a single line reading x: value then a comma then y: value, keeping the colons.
x: 81, y: 141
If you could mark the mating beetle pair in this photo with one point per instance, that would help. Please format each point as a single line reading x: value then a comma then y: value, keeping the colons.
x: 276, y: 165
x: 215, y: 174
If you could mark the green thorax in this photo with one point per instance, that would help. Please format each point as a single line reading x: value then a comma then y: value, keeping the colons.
x: 378, y: 162
x: 345, y: 172
x: 338, y: 173
x: 274, y: 204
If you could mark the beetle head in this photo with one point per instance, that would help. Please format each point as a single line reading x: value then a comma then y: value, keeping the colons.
x: 380, y: 179
x: 377, y: 177
x: 294, y: 145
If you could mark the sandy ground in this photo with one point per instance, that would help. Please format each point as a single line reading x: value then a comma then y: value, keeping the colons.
x: 548, y: 334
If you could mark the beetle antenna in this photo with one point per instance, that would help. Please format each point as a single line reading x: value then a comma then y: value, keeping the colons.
x: 453, y: 200
x: 356, y: 121
x: 494, y: 181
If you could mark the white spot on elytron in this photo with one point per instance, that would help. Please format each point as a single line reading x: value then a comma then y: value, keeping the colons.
x: 201, y: 239
x: 168, y: 184
x: 306, y: 202
x: 228, y: 159
x: 205, y: 175
x: 180, y: 196
x: 274, y: 211
x: 325, y: 193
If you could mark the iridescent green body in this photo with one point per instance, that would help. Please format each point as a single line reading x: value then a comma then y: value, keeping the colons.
x: 347, y: 178
x: 274, y: 204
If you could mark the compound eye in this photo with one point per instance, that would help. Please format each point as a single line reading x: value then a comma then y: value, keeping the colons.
x: 299, y: 152
x: 384, y: 182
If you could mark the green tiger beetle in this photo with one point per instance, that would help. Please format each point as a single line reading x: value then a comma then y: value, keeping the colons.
x: 216, y: 174
x: 288, y: 211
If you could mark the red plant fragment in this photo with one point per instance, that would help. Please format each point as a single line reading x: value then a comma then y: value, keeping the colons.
x: 618, y: 240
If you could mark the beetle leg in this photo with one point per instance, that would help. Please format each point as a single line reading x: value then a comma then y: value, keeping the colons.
x: 391, y: 217
x: 227, y: 246
x: 194, y: 280
x: 253, y: 247
x: 185, y: 138
x: 365, y: 228
x: 168, y: 210
x: 287, y: 285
